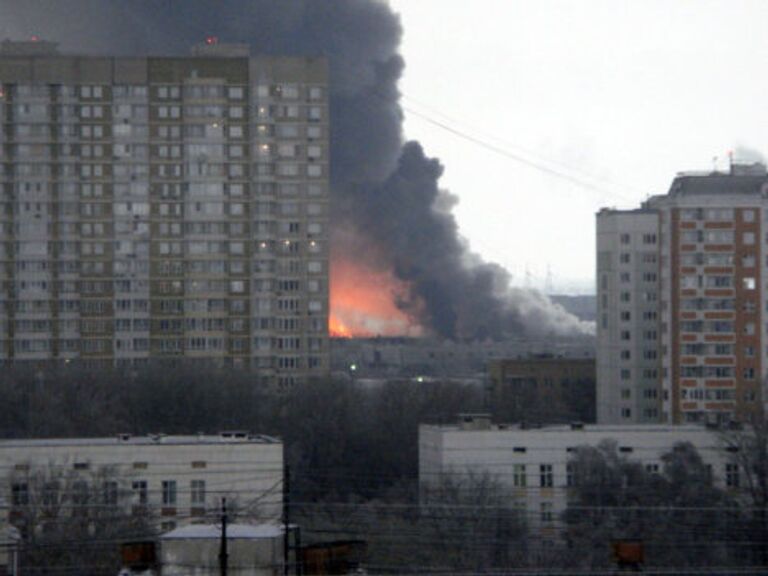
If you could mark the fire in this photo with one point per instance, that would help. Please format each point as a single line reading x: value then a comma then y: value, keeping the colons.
x: 363, y: 303
x: 337, y: 328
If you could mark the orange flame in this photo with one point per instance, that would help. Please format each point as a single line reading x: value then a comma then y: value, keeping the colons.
x: 363, y: 303
x: 337, y: 329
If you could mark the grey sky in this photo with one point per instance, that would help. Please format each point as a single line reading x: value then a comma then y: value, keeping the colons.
x: 620, y: 94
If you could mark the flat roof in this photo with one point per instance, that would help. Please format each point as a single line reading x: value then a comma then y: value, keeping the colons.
x: 717, y: 183
x: 234, y: 532
x: 575, y: 430
x: 227, y: 438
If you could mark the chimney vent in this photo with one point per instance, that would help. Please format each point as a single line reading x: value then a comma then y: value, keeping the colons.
x: 475, y: 421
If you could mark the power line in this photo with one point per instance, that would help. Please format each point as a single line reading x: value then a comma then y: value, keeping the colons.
x: 541, y: 160
x: 511, y: 155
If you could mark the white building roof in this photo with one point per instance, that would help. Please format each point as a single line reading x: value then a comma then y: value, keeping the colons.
x: 149, y: 440
x: 234, y: 531
x: 571, y: 429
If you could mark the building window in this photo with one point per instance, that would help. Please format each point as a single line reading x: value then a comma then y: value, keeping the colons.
x: 110, y: 493
x: 546, y: 510
x: 20, y: 494
x: 169, y: 492
x: 518, y: 476
x: 625, y: 316
x: 625, y: 297
x: 545, y: 476
x: 626, y: 413
x: 197, y: 491
x: 570, y: 475
x: 748, y: 238
x: 139, y: 488
x: 732, y: 475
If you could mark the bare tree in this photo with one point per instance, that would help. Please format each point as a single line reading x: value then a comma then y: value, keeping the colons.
x: 469, y: 522
x: 747, y: 446
x: 677, y: 512
x: 74, y: 520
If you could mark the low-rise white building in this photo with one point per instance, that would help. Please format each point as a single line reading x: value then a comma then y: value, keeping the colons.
x: 9, y: 552
x: 533, y: 463
x: 251, y: 550
x: 180, y: 479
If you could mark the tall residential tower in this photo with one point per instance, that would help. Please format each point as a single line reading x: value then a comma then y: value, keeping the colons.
x: 164, y: 207
x: 681, y: 301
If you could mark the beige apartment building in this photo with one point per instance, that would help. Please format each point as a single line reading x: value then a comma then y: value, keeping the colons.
x: 164, y: 207
x: 681, y: 300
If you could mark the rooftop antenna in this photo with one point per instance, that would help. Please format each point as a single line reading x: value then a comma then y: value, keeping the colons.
x: 730, y: 160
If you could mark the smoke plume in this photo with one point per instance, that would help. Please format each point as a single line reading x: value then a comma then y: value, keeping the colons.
x: 385, y: 192
x: 745, y: 154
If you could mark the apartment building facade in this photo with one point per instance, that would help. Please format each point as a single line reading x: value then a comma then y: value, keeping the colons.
x: 178, y: 479
x: 165, y: 207
x: 681, y: 298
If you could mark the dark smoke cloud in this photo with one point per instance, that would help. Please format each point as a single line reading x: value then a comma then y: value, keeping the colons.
x: 385, y: 193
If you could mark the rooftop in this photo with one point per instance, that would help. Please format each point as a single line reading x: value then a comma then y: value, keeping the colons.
x: 235, y: 437
x: 482, y: 424
x: 741, y: 179
x: 234, y: 532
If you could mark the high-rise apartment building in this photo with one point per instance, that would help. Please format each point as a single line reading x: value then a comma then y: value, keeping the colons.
x: 164, y: 207
x: 681, y: 286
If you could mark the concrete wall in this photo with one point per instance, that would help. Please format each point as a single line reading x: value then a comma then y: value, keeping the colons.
x: 516, y: 457
x: 248, y: 472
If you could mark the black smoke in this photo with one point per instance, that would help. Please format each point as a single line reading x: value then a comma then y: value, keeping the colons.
x: 385, y: 192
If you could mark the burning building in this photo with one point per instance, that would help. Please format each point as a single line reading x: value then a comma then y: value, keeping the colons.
x: 399, y: 265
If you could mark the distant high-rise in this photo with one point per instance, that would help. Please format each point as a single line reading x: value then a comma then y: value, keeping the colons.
x: 164, y: 207
x: 681, y: 294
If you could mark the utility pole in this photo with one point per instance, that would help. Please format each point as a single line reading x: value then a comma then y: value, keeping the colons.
x: 223, y: 556
x: 286, y: 518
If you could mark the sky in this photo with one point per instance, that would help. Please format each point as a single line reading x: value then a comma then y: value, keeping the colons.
x: 544, y: 112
